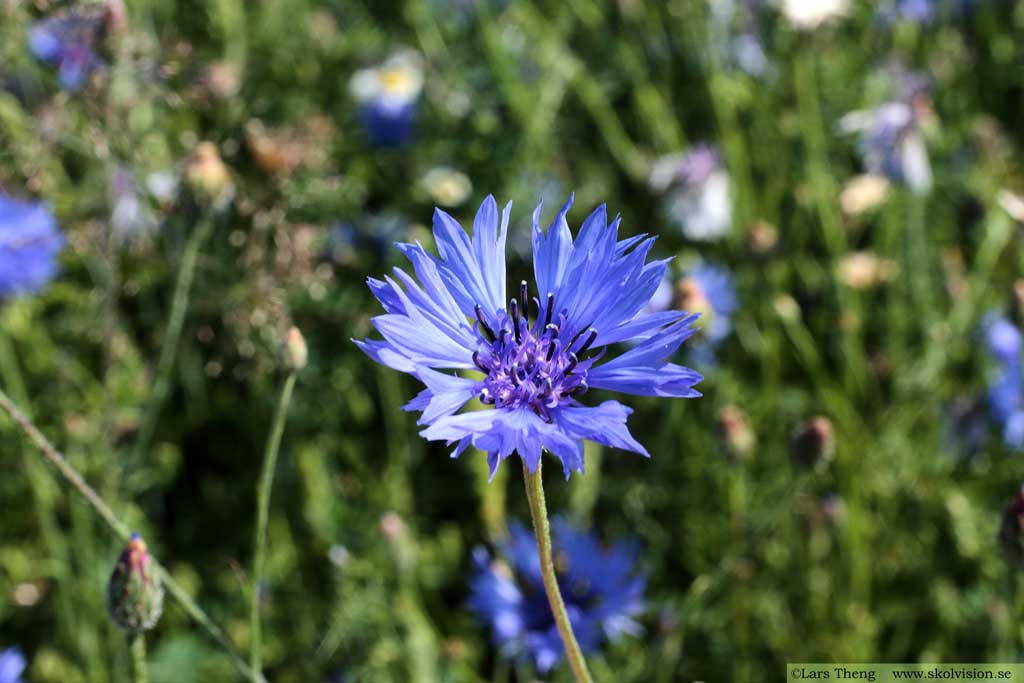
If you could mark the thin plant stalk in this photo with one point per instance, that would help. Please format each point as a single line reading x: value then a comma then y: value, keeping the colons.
x: 172, y: 335
x: 266, y: 484
x: 138, y: 648
x: 123, y: 532
x: 542, y: 529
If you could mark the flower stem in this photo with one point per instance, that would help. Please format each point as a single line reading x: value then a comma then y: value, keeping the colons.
x: 122, y: 531
x: 262, y: 513
x: 542, y: 529
x: 172, y: 335
x: 138, y: 646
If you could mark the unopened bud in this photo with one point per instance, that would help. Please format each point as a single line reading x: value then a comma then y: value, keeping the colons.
x: 813, y: 443
x: 135, y: 596
x: 208, y: 177
x: 692, y: 299
x: 763, y: 237
x: 736, y: 432
x: 1011, y: 531
x: 294, y: 353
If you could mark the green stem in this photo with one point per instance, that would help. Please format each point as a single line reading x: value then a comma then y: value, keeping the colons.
x: 122, y: 531
x: 542, y: 529
x: 138, y: 645
x: 262, y: 513
x: 172, y: 335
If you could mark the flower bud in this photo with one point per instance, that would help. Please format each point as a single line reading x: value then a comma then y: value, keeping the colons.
x: 294, y: 353
x: 1011, y: 531
x: 208, y: 177
x: 691, y: 298
x: 736, y: 432
x: 813, y: 443
x: 135, y: 596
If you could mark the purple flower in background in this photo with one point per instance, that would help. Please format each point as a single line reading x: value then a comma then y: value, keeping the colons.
x: 602, y: 589
x: 708, y: 289
x: 891, y: 142
x: 12, y: 664
x: 68, y: 41
x: 1006, y: 390
x: 538, y: 355
x: 696, y: 190
x: 388, y: 96
x: 29, y: 243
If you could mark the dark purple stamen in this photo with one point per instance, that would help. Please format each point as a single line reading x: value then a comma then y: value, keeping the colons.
x: 513, y: 306
x: 523, y: 301
x: 586, y: 344
x: 573, y: 362
x: 488, y: 332
x: 550, y: 310
x: 476, y: 362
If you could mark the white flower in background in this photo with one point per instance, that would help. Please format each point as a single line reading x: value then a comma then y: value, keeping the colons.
x: 446, y: 186
x: 891, y: 143
x: 810, y: 14
x: 696, y: 190
x: 387, y: 95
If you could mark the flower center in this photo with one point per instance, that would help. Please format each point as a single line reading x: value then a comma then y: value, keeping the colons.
x: 531, y: 366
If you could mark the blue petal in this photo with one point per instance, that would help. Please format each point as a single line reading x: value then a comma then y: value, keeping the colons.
x: 642, y: 370
x: 385, y: 354
x: 472, y: 281
x: 448, y: 393
x: 551, y: 254
x: 603, y: 424
x: 503, y: 432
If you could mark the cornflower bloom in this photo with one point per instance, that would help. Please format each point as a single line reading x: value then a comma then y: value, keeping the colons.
x: 388, y: 96
x: 603, y: 593
x: 12, y: 664
x: 891, y: 142
x: 29, y: 243
x: 696, y: 190
x: 1006, y: 390
x: 68, y: 41
x: 537, y: 355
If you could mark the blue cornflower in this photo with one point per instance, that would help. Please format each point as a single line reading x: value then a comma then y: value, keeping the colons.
x: 602, y: 590
x: 388, y: 96
x: 891, y: 142
x: 708, y: 289
x: 1006, y: 390
x: 696, y: 190
x: 12, y: 664
x: 68, y: 41
x: 537, y: 359
x: 29, y: 243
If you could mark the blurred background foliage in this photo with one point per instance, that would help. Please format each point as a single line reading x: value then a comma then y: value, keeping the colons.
x: 886, y: 552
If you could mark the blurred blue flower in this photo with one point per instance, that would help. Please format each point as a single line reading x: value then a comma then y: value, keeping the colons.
x: 130, y: 218
x: 372, y: 233
x: 68, y: 41
x: 891, y: 142
x: 708, y: 289
x: 388, y: 96
x: 1006, y: 389
x: 602, y: 589
x: 537, y: 359
x: 29, y: 243
x: 919, y: 11
x: 696, y: 190
x: 12, y: 664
